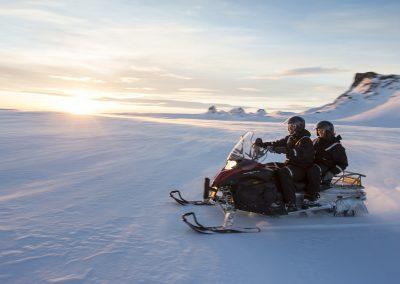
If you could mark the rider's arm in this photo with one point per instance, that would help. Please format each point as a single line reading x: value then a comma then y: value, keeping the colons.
x: 340, y: 159
x: 278, y: 143
x: 303, y: 151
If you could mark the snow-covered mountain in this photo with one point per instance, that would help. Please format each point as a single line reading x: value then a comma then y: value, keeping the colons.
x: 372, y: 98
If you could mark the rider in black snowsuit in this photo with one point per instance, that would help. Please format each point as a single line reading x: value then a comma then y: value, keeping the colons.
x: 330, y: 159
x: 299, y: 152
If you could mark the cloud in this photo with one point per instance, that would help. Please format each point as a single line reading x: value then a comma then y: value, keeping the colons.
x: 129, y: 79
x: 175, y: 76
x: 382, y: 20
x: 246, y: 89
x: 39, y: 15
x: 329, y: 89
x: 150, y: 69
x: 158, y: 71
x: 48, y: 93
x: 195, y: 90
x: 141, y: 89
x: 160, y: 102
x: 297, y: 72
x: 77, y: 79
x: 315, y: 70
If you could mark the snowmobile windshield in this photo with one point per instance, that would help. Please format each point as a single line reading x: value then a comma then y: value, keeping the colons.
x: 244, y: 149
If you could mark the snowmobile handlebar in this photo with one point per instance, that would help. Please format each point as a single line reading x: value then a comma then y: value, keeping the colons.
x: 258, y: 152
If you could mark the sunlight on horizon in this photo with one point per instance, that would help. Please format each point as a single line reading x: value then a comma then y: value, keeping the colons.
x: 74, y: 104
x: 83, y: 106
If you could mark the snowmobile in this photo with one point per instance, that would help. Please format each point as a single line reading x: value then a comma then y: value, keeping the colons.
x: 246, y: 184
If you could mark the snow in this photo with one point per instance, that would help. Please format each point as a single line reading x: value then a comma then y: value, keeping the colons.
x: 85, y: 199
x: 386, y: 114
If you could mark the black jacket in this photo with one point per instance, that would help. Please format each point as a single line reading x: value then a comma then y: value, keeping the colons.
x: 298, y: 148
x: 331, y: 154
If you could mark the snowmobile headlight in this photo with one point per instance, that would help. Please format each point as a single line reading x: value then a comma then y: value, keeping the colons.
x: 230, y: 165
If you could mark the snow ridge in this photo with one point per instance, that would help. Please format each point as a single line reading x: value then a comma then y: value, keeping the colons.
x: 368, y: 91
x: 238, y: 111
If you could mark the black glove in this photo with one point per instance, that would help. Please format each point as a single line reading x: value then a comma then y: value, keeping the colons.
x: 259, y: 142
x: 280, y: 150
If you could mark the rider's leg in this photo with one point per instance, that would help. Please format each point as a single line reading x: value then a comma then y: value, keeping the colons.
x: 313, y: 182
x: 287, y: 176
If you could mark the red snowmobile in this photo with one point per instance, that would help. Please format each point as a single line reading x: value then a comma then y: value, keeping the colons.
x: 246, y: 184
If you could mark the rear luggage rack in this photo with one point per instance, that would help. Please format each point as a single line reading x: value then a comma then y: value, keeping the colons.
x: 348, y: 179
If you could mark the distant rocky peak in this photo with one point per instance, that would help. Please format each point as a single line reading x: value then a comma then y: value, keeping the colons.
x: 237, y: 111
x: 369, y: 84
x: 365, y: 86
x: 363, y: 82
x: 212, y: 109
x: 359, y: 77
x: 261, y: 112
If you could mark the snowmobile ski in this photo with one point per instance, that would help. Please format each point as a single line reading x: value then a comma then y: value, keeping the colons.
x: 196, y: 226
x: 176, y: 195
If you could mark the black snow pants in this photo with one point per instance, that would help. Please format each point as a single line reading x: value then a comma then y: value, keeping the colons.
x: 313, y: 181
x: 287, y: 175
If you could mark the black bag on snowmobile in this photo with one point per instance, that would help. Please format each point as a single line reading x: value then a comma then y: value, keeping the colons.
x: 256, y: 193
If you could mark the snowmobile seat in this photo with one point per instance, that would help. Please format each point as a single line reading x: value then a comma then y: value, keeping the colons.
x: 300, y: 186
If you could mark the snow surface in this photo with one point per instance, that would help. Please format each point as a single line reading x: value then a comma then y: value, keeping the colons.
x: 386, y: 114
x: 85, y: 199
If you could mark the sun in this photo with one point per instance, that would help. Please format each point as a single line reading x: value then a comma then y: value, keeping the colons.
x: 83, y: 106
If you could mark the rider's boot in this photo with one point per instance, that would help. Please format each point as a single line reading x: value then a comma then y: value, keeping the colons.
x: 290, y: 207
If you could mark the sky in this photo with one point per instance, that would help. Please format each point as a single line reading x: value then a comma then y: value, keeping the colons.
x: 183, y: 56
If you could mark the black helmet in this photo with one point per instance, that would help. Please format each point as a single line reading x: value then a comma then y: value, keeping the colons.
x: 298, y: 122
x: 327, y: 126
